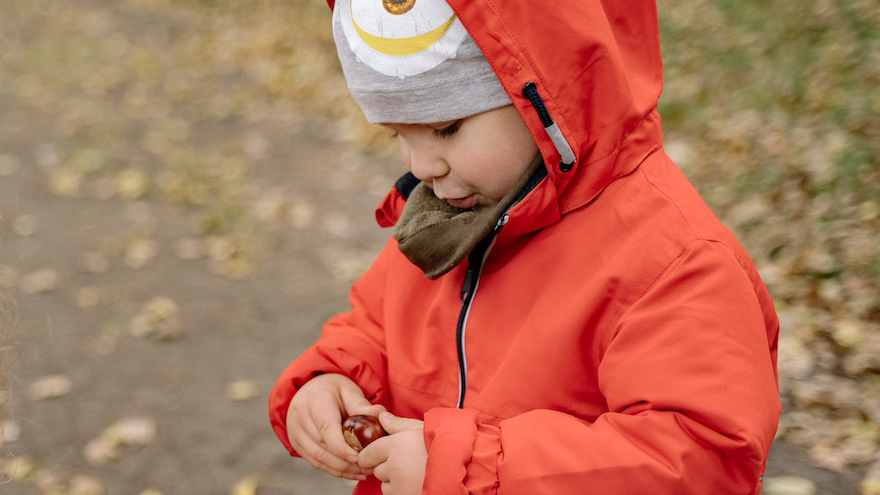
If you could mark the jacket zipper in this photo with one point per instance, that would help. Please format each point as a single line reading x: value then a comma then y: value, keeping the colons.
x: 468, y: 290
x: 476, y: 258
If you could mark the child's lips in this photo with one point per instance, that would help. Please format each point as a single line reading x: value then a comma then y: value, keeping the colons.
x: 465, y: 203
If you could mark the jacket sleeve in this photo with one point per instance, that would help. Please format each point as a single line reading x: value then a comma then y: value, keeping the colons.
x: 351, y: 344
x: 689, y: 377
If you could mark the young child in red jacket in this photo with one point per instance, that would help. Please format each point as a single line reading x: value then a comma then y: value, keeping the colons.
x: 557, y: 311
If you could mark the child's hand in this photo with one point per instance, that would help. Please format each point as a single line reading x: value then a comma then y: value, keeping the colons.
x: 314, y: 423
x: 398, y: 460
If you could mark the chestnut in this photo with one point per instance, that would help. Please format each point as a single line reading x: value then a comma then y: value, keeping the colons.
x: 360, y: 430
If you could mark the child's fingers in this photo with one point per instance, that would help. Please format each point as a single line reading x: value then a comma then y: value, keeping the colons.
x: 328, y: 430
x: 395, y: 424
x: 354, y: 402
x: 304, y: 429
x: 320, y: 458
x: 331, y: 435
x: 374, y: 455
x: 303, y: 423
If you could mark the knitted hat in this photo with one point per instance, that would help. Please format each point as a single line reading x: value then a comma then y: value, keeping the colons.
x: 412, y: 62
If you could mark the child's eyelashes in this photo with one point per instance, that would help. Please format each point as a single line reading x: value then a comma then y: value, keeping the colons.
x: 438, y: 132
x: 447, y: 131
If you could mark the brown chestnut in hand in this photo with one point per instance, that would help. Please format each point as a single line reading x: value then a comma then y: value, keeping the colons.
x: 359, y: 431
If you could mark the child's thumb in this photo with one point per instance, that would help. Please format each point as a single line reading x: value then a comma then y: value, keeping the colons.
x: 354, y: 402
x: 395, y: 424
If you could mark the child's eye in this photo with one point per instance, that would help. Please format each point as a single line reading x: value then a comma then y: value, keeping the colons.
x: 448, y: 130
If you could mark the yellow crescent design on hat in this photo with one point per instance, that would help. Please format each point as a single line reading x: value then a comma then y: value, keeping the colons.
x: 401, y: 47
x: 401, y: 44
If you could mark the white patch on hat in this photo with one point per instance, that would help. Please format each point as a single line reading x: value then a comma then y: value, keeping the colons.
x: 404, y: 44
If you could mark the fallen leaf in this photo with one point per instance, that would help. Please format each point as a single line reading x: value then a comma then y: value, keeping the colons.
x: 788, y: 485
x: 869, y: 486
x: 17, y: 468
x: 228, y: 259
x: 39, y: 281
x: 220, y: 248
x: 302, y: 214
x: 140, y: 251
x: 848, y: 332
x: 869, y: 210
x: 88, y: 297
x: 828, y: 456
x: 132, y: 183
x: 159, y: 318
x: 50, y: 387
x: 85, y: 485
x: 247, y: 486
x: 242, y: 390
x: 11, y: 431
x: 133, y: 431
x: 234, y: 268
x: 49, y: 481
x: 65, y: 183
x: 101, y: 450
x: 270, y: 207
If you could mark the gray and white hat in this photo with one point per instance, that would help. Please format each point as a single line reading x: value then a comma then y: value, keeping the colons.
x: 412, y: 62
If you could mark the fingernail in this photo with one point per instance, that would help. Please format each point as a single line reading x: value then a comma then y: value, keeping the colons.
x: 386, y: 415
x: 360, y: 477
x: 353, y: 459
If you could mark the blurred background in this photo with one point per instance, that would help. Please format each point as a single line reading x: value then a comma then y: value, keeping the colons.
x: 186, y: 191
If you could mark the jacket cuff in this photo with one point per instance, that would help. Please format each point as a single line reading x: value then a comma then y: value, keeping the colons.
x: 463, y: 453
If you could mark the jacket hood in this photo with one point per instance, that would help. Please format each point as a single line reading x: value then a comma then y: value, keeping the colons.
x: 585, y: 76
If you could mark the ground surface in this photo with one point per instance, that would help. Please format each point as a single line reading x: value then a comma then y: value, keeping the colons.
x: 174, y: 230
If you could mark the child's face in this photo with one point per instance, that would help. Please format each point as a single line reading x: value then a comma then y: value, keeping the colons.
x: 471, y: 163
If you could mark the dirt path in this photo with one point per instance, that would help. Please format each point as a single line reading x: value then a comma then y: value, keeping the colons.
x: 75, y: 317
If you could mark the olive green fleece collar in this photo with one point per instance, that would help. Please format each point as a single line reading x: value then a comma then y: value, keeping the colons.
x: 436, y: 236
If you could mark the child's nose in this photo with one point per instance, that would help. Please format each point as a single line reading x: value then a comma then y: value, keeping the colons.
x: 427, y: 166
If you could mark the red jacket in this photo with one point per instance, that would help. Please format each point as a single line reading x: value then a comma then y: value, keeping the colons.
x: 617, y: 339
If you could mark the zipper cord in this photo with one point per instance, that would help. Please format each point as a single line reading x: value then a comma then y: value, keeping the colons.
x: 566, y: 155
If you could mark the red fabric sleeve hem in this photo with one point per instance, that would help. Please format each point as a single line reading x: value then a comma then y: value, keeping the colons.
x: 462, y: 453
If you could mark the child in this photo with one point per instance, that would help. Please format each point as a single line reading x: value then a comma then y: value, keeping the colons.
x: 557, y: 311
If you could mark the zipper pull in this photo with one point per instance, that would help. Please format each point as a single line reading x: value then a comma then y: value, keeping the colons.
x: 466, y: 285
x: 566, y: 154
